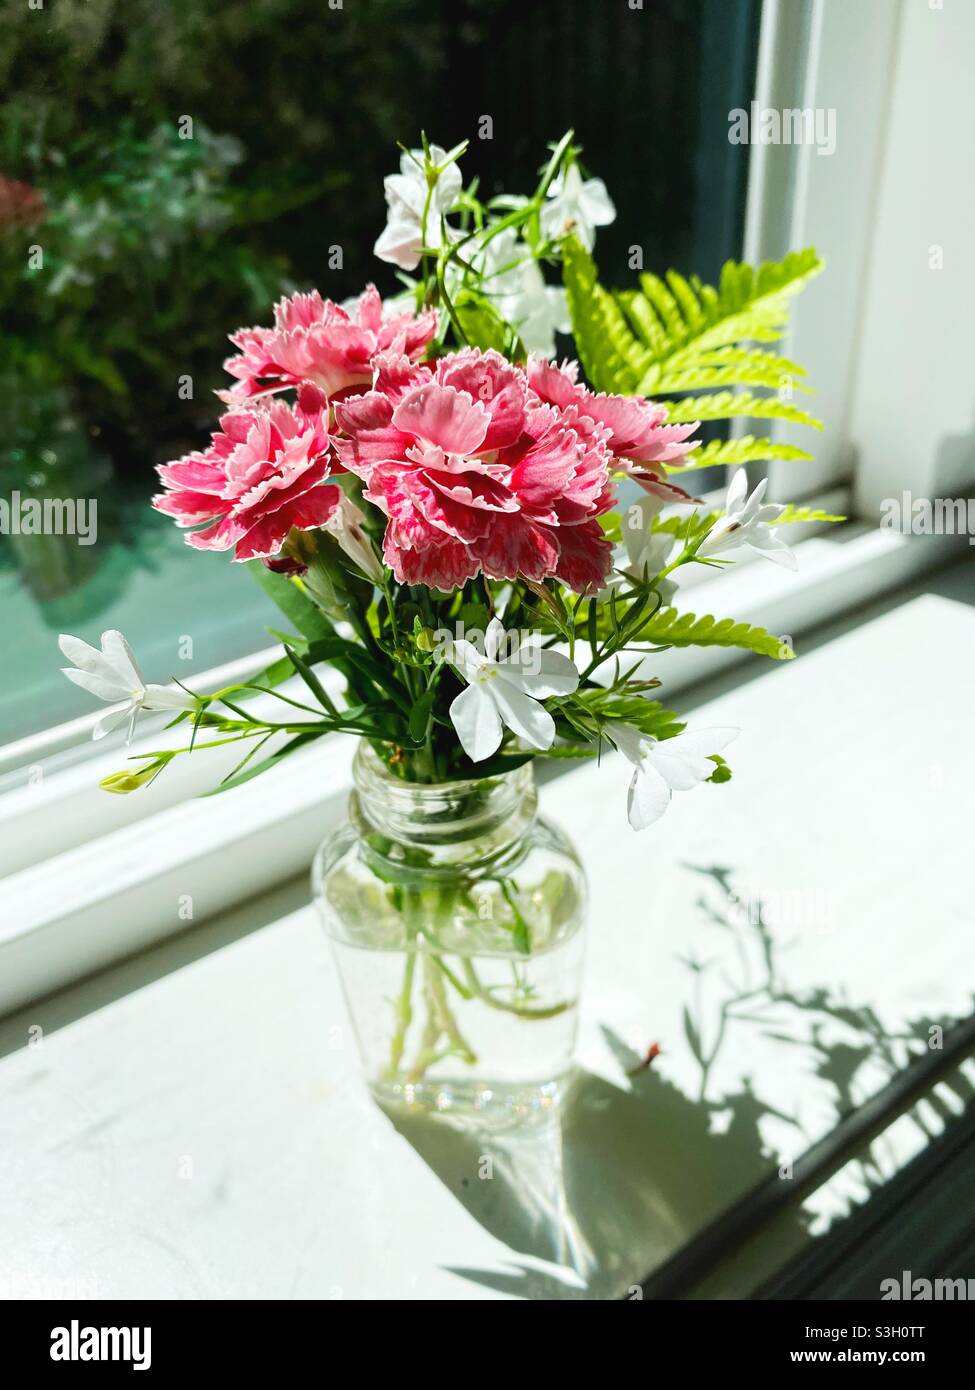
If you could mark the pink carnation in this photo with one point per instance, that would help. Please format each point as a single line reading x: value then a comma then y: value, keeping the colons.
x: 638, y: 435
x: 264, y: 472
x: 316, y: 340
x: 476, y: 474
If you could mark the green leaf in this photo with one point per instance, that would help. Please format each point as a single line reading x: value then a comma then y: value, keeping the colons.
x: 569, y: 750
x: 352, y: 659
x: 744, y: 448
x: 792, y: 514
x: 731, y: 405
x: 312, y: 681
x: 612, y: 357
x: 419, y: 721
x: 492, y: 767
x: 672, y: 629
x: 722, y: 772
x: 265, y: 764
x: 307, y: 617
x: 694, y: 319
x: 483, y: 326
x: 675, y: 334
x: 733, y: 366
x: 684, y: 526
x: 649, y: 716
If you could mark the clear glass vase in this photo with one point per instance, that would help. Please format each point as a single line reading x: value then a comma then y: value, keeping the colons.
x: 456, y: 917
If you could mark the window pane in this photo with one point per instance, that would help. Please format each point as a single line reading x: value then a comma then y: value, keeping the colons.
x: 168, y: 171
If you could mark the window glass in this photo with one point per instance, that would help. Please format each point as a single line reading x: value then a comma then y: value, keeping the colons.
x: 167, y: 171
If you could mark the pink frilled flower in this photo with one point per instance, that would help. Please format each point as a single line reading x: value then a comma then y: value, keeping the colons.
x: 476, y: 474
x: 637, y: 433
x: 318, y: 341
x: 265, y: 471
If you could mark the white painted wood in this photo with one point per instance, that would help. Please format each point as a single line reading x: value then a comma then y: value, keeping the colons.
x: 827, y: 55
x: 914, y: 417
x: 56, y: 804
x: 75, y: 913
x: 201, y: 1132
x: 61, y: 738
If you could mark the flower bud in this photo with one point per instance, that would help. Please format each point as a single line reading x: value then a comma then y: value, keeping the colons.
x: 131, y: 781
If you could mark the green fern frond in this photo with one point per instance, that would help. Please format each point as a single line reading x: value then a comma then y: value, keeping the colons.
x: 612, y: 358
x: 732, y: 367
x: 668, y: 628
x: 744, y: 449
x: 729, y: 405
x: 792, y: 515
x: 684, y: 526
x: 683, y: 323
x: 678, y: 320
x: 675, y: 334
x: 649, y: 716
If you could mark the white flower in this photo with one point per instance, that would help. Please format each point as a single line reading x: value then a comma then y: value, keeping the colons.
x: 664, y: 766
x: 112, y: 675
x: 746, y: 522
x: 345, y: 524
x: 577, y: 206
x: 513, y: 280
x: 647, y: 551
x: 504, y: 692
x: 406, y: 200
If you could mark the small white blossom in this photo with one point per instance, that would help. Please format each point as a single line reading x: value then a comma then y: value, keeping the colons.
x: 647, y: 552
x: 664, y: 766
x: 577, y: 205
x: 503, y: 691
x: 346, y: 525
x: 112, y: 674
x: 407, y: 204
x: 513, y: 280
x: 746, y: 522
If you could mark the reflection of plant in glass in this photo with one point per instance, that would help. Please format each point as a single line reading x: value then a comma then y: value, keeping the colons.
x: 45, y: 453
x: 112, y: 269
x: 133, y: 258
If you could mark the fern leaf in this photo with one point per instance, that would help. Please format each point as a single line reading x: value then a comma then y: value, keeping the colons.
x: 668, y: 628
x: 729, y: 405
x: 675, y: 335
x: 649, y: 716
x: 743, y: 449
x: 684, y: 526
x: 750, y: 306
x: 612, y: 358
x: 731, y: 367
x: 792, y: 515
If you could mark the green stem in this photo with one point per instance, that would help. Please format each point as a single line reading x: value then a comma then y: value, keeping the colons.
x: 445, y: 1018
x: 404, y: 1016
x: 519, y: 1010
x: 430, y: 1037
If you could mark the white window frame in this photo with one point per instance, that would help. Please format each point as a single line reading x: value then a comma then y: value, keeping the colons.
x: 91, y: 877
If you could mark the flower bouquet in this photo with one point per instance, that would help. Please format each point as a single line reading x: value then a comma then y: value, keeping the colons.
x: 477, y: 552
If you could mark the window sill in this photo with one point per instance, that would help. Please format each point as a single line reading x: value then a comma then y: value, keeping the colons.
x: 71, y: 908
x: 163, y: 1105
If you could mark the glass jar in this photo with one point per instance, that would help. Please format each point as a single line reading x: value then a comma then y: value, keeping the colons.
x: 455, y: 914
